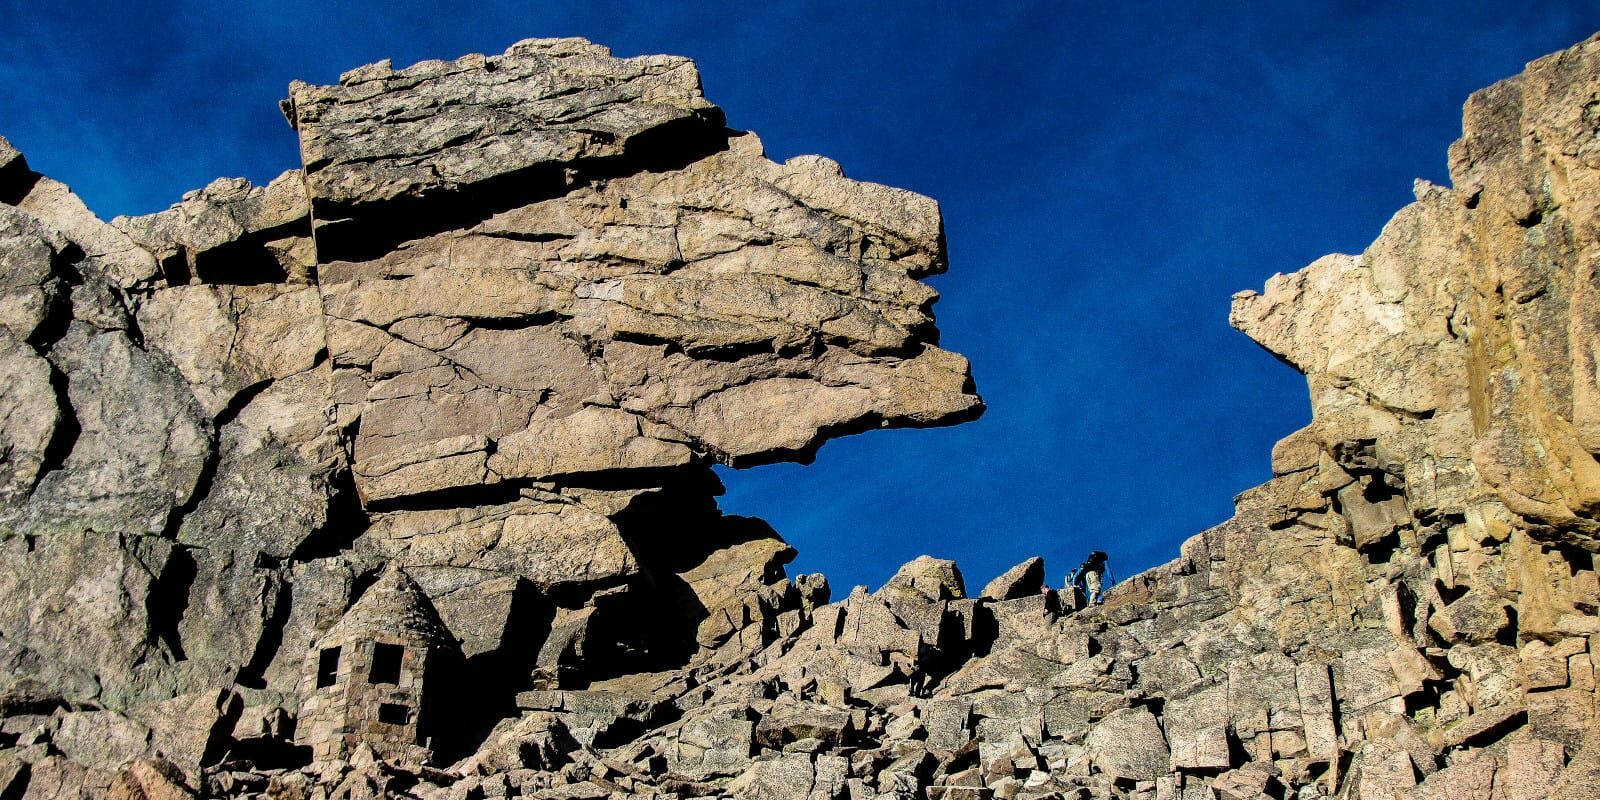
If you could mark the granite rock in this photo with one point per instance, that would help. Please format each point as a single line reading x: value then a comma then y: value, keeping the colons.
x: 479, y: 354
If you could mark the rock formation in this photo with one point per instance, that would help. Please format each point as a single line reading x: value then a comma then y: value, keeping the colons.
x: 391, y: 478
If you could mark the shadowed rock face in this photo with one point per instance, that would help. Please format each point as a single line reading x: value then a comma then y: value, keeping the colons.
x: 485, y: 347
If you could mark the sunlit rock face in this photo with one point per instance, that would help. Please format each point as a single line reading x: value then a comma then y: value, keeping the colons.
x: 492, y: 336
x: 391, y: 478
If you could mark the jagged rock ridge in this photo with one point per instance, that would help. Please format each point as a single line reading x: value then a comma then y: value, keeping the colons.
x: 492, y: 336
x: 390, y: 479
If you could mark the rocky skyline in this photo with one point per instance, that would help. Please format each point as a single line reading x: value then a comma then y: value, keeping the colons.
x: 391, y: 478
x: 1314, y: 122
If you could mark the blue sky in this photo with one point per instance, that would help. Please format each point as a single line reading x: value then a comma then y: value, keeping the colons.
x: 1110, y: 174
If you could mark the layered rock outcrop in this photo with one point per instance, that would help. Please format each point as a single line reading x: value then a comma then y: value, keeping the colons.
x: 469, y: 367
x: 493, y: 334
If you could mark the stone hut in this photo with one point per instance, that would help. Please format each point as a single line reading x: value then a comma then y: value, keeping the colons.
x: 366, y: 678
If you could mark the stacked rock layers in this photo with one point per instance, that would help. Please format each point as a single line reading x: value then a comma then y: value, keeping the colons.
x: 494, y: 332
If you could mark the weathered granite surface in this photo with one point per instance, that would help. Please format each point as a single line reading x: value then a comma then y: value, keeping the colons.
x: 469, y: 368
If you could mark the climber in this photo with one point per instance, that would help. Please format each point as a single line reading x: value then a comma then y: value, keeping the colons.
x: 1090, y: 576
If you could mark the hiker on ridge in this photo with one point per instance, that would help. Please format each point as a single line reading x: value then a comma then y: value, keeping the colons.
x: 1091, y: 576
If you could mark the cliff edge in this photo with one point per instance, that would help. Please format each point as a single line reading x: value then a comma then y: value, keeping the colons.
x: 392, y: 478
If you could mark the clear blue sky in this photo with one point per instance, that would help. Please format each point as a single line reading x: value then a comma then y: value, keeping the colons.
x: 1110, y: 174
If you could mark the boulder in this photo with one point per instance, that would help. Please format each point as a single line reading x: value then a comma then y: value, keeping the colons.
x: 1021, y: 580
x: 1128, y: 743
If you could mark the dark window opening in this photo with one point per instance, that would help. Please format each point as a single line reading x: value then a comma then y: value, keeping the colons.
x: 328, y: 667
x: 393, y: 714
x: 386, y: 663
